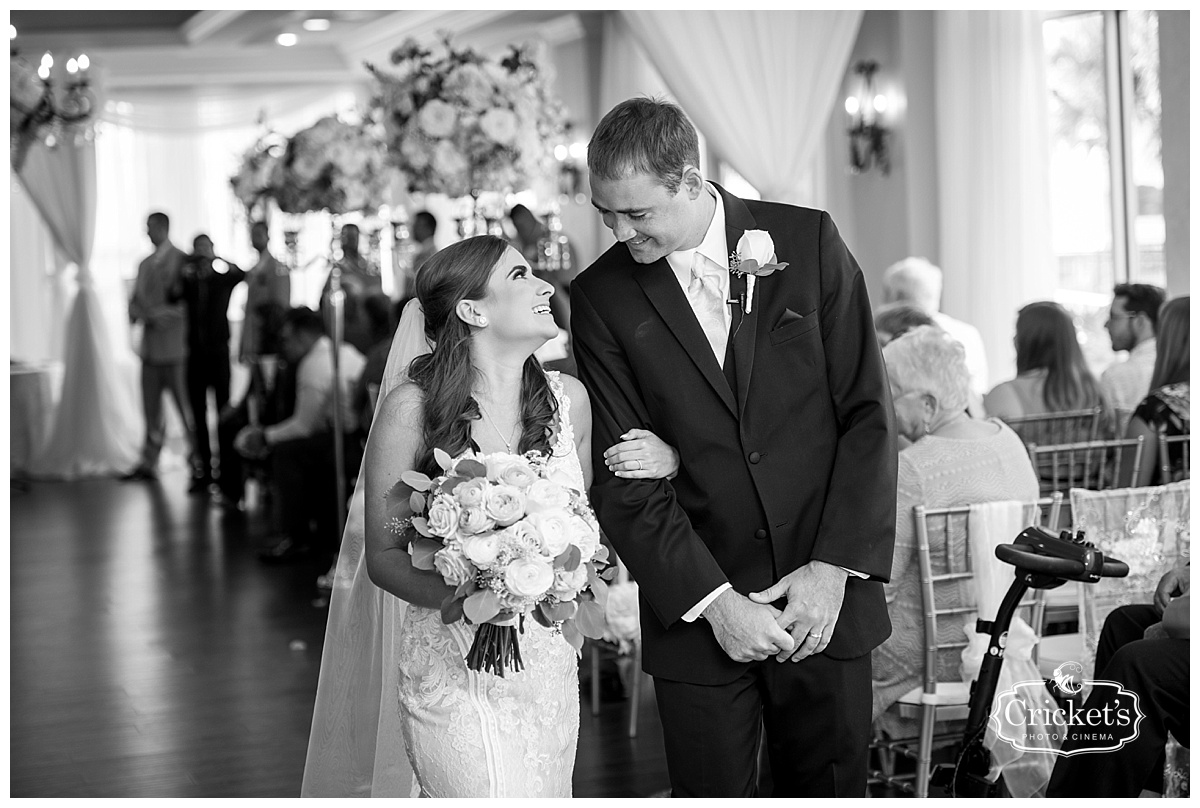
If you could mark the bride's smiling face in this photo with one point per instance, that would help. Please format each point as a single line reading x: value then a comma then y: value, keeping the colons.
x: 517, y: 305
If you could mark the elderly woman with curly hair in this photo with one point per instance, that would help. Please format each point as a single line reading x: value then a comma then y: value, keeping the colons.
x: 953, y: 460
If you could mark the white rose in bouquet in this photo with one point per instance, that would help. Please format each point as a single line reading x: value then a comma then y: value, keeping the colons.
x: 472, y: 493
x: 511, y: 470
x: 443, y: 516
x: 554, y: 529
x: 545, y: 495
x: 529, y: 577
x: 499, y: 124
x: 505, y: 504
x: 523, y: 539
x: 437, y: 119
x: 585, y: 536
x: 474, y: 519
x: 482, y: 550
x: 569, y: 584
x: 453, y: 566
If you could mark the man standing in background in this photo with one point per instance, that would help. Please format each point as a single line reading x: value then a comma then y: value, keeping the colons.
x: 162, y: 348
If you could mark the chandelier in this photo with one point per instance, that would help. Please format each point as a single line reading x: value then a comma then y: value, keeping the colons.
x: 40, y: 111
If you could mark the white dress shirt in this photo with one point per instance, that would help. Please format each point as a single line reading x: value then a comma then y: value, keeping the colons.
x: 1124, y: 384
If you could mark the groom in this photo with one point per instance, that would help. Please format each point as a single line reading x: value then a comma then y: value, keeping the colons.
x: 761, y: 563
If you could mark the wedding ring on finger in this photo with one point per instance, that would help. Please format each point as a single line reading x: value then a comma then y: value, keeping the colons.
x: 815, y: 635
x: 639, y: 464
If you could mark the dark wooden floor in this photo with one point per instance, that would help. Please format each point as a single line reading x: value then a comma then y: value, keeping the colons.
x: 153, y: 656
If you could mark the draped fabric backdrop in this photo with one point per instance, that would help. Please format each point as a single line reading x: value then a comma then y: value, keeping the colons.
x: 153, y: 151
x: 760, y: 84
x: 993, y: 172
x: 97, y: 424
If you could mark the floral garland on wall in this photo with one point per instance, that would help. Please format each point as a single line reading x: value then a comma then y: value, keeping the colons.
x: 458, y: 124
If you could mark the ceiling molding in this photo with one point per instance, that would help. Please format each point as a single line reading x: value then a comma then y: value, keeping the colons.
x: 377, y: 42
x: 206, y: 23
x: 167, y: 67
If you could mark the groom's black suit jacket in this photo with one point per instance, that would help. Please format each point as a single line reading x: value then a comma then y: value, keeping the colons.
x: 786, y: 457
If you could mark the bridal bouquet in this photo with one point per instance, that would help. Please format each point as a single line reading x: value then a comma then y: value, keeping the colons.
x: 457, y: 123
x: 514, y: 541
x: 332, y: 165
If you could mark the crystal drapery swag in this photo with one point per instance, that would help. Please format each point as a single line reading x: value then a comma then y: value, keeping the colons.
x: 97, y: 424
x: 759, y: 84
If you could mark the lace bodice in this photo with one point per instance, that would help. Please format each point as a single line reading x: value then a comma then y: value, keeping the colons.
x: 564, y: 458
x: 473, y: 734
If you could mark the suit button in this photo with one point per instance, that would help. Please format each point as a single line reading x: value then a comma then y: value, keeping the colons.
x: 754, y: 456
x: 760, y: 534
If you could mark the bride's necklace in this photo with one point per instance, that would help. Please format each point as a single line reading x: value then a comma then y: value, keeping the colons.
x: 507, y: 443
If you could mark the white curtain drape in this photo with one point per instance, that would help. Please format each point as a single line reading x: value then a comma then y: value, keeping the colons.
x: 759, y: 84
x: 97, y: 425
x: 993, y: 172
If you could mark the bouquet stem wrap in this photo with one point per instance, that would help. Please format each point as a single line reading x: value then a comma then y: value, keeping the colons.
x: 496, y: 648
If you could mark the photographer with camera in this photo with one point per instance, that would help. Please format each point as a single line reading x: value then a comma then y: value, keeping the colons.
x: 204, y: 286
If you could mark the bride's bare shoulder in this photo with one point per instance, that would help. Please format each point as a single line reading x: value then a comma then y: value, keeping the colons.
x: 402, y: 406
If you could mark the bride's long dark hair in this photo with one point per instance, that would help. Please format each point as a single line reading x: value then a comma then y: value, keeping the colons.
x: 446, y: 376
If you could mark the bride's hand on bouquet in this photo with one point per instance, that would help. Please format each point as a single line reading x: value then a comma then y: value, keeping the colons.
x: 642, y: 455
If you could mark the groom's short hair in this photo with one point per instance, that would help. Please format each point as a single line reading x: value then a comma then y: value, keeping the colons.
x: 646, y: 136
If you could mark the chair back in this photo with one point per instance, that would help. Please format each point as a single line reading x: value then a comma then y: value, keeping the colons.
x: 948, y: 595
x: 1148, y: 528
x: 1174, y: 465
x: 1053, y: 428
x: 1097, y: 465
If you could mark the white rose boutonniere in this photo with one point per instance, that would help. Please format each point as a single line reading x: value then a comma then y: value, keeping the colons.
x: 754, y: 258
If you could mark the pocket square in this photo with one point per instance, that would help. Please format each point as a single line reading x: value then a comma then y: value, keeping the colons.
x: 789, y: 316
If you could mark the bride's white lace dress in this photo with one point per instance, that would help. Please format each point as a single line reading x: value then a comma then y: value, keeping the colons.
x: 475, y: 734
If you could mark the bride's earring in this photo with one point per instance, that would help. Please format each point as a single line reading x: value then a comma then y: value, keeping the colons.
x: 482, y: 322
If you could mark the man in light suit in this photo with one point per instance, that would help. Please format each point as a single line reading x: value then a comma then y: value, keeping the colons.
x: 163, y: 346
x: 761, y: 562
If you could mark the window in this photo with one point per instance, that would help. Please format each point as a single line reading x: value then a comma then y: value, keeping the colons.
x: 1105, y: 149
x: 1106, y: 178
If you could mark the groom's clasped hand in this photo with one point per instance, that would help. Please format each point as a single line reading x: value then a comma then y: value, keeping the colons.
x: 814, y: 595
x: 751, y: 629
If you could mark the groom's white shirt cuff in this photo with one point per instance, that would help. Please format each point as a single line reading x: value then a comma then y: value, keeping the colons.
x: 694, y: 612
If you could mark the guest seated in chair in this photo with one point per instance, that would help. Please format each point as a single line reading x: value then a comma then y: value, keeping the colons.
x: 1168, y: 407
x: 1051, y: 373
x: 301, y: 447
x: 953, y: 460
x: 1145, y: 648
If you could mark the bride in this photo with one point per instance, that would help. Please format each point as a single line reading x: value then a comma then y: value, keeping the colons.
x: 394, y: 686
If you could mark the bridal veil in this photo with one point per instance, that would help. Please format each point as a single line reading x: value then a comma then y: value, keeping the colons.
x: 356, y: 748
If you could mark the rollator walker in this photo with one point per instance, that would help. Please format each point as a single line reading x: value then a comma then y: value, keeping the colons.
x: 1042, y: 561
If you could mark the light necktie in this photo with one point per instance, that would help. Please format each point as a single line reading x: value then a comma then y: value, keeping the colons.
x: 704, y: 294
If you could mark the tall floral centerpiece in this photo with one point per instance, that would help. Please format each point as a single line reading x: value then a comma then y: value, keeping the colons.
x: 333, y: 166
x: 459, y: 124
x: 252, y: 184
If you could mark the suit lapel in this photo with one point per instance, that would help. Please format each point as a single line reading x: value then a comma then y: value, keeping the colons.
x: 660, y: 285
x: 744, y: 327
